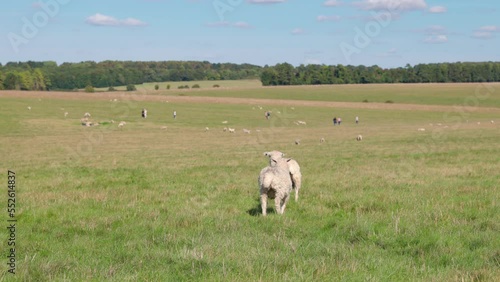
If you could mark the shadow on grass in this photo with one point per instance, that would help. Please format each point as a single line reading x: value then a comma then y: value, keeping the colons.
x: 257, y: 210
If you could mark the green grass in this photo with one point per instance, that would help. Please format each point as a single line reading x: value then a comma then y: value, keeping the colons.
x: 204, y: 84
x: 471, y: 94
x: 146, y: 204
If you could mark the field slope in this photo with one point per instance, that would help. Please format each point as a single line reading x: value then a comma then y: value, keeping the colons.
x: 163, y: 199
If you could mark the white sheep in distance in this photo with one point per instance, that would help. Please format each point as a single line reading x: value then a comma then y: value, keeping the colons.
x: 246, y: 131
x: 322, y: 140
x: 293, y: 168
x: 231, y: 130
x: 275, y: 183
x: 359, y: 137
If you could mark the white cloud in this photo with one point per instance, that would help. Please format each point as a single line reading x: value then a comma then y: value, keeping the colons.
x: 490, y: 28
x: 435, y: 30
x: 241, y: 25
x: 392, y: 5
x: 436, y: 39
x: 332, y: 3
x: 297, y: 31
x: 265, y: 1
x: 486, y: 32
x: 323, y: 18
x: 437, y: 10
x: 103, y: 20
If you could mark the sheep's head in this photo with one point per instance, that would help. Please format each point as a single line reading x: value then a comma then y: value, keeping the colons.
x: 274, y: 156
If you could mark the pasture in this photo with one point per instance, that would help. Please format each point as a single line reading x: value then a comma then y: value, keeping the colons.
x: 166, y: 200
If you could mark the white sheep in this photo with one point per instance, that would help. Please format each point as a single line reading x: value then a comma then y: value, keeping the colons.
x: 297, y: 141
x: 293, y: 168
x: 246, y: 131
x: 164, y: 127
x: 224, y: 122
x: 225, y: 129
x: 275, y: 183
x: 359, y: 137
x: 322, y: 140
x: 207, y: 129
x: 121, y: 124
x: 231, y: 130
x: 492, y: 121
x: 65, y: 114
x: 29, y: 108
x: 86, y: 115
x: 421, y: 129
x: 301, y: 122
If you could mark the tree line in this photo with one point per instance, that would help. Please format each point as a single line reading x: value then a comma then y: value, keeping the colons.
x: 49, y: 75
x: 68, y: 76
x: 286, y: 74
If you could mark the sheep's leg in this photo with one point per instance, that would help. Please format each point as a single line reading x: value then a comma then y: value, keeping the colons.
x: 296, y: 184
x: 284, y: 201
x: 277, y: 204
x: 263, y: 203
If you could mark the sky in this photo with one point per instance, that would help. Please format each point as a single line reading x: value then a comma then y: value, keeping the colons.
x: 387, y: 33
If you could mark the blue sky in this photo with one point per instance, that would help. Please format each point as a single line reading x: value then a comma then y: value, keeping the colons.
x: 388, y: 33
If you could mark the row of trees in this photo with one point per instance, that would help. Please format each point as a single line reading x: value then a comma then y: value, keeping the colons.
x: 48, y: 75
x: 286, y: 74
x: 21, y: 75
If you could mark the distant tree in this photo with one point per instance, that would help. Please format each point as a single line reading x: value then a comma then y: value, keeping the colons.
x: 89, y: 89
x: 168, y: 86
x: 180, y: 87
x: 131, y: 87
x: 195, y: 86
x: 111, y: 88
x: 157, y: 87
x: 216, y: 86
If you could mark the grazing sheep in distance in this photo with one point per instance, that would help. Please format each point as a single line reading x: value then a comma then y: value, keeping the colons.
x: 65, y: 114
x: 86, y: 115
x: 322, y: 140
x: 421, y: 129
x: 293, y: 168
x: 164, y: 127
x: 207, y: 129
x: 297, y: 141
x: 225, y: 129
x: 121, y: 124
x: 29, y: 108
x: 492, y: 121
x: 231, y: 130
x: 359, y: 137
x: 224, y: 122
x: 275, y: 183
x: 301, y: 122
x: 246, y: 131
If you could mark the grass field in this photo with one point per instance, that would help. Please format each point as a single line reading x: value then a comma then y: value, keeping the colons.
x: 142, y: 203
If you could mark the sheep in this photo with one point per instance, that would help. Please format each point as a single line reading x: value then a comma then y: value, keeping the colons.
x: 65, y: 114
x: 322, y: 140
x: 359, y: 138
x: 231, y: 130
x: 492, y: 121
x: 246, y: 131
x: 164, y: 127
x: 144, y: 113
x: 293, y: 168
x: 225, y: 129
x: 297, y: 141
x: 86, y: 115
x: 207, y: 129
x: 29, y: 108
x: 301, y: 122
x: 421, y: 129
x: 275, y: 183
x: 224, y: 122
x: 121, y: 124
